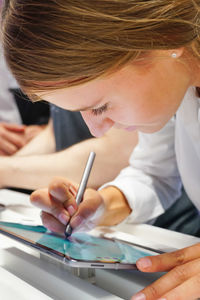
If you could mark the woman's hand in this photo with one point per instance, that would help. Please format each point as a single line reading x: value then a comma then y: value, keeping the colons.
x: 182, y: 282
x: 107, y: 207
x: 59, y: 206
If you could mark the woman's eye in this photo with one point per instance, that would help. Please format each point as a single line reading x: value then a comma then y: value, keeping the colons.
x: 100, y: 110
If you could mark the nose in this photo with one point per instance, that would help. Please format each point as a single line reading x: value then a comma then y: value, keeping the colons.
x: 97, y: 125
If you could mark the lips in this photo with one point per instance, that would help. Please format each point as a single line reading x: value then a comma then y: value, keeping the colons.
x: 119, y: 126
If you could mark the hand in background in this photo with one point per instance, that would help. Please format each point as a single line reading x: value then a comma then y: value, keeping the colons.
x: 182, y: 280
x: 12, y: 138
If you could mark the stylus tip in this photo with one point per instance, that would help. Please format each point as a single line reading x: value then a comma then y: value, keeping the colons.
x: 68, y: 231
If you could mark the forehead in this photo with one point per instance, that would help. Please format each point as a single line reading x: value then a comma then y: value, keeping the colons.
x: 74, y: 97
x: 91, y: 93
x: 85, y: 93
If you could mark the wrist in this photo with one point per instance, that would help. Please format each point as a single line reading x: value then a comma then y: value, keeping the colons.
x: 116, y: 206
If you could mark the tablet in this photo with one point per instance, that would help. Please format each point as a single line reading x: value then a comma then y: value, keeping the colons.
x: 81, y: 250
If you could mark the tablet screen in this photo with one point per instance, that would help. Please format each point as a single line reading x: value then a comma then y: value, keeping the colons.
x: 79, y: 247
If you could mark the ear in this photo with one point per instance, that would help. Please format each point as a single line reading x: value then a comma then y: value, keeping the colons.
x: 172, y: 53
x: 176, y: 53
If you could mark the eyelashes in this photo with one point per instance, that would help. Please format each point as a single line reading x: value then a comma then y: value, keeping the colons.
x: 100, y: 110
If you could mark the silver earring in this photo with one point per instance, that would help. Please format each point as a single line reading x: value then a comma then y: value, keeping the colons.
x: 174, y: 55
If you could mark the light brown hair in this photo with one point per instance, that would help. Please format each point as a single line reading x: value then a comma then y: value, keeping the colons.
x: 73, y: 41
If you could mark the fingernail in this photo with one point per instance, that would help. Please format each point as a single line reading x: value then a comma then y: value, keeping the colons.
x: 139, y: 296
x: 63, y: 218
x: 162, y: 299
x: 71, y: 210
x: 144, y: 263
x: 76, y: 221
x: 56, y: 193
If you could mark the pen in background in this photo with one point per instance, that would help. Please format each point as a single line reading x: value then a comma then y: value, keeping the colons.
x: 82, y: 186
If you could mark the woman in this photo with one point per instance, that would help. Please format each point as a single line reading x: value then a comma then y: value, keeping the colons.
x: 131, y: 64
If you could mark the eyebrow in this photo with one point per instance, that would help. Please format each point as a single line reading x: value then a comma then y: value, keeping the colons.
x: 83, y: 108
x: 87, y: 107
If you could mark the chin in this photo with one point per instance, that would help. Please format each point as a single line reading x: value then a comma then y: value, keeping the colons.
x: 150, y: 129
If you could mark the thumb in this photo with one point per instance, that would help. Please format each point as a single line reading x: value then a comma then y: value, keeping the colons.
x: 167, y: 261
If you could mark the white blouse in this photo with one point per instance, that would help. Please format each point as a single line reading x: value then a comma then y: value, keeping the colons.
x: 161, y: 162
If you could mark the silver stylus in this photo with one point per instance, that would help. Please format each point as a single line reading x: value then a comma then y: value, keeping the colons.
x: 82, y: 187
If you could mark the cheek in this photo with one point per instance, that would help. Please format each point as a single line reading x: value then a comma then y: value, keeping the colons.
x: 122, y: 115
x: 87, y: 118
x: 127, y: 113
x: 91, y: 121
x: 133, y: 102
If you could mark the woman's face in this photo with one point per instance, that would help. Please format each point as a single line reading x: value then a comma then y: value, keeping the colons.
x: 137, y: 97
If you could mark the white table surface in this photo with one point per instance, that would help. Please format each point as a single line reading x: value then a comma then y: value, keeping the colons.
x: 25, y: 274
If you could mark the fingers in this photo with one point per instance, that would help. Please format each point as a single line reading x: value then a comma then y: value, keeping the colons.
x: 172, y: 282
x: 190, y: 289
x: 52, y: 223
x: 2, y: 153
x: 167, y: 261
x: 14, y: 127
x: 62, y: 190
x: 89, y: 212
x: 10, y: 142
x: 43, y: 200
x: 7, y: 148
x: 57, y: 201
x: 14, y: 138
x: 59, y: 206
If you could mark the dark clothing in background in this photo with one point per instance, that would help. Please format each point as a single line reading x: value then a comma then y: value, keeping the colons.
x: 32, y: 113
x: 69, y: 127
x: 182, y: 216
